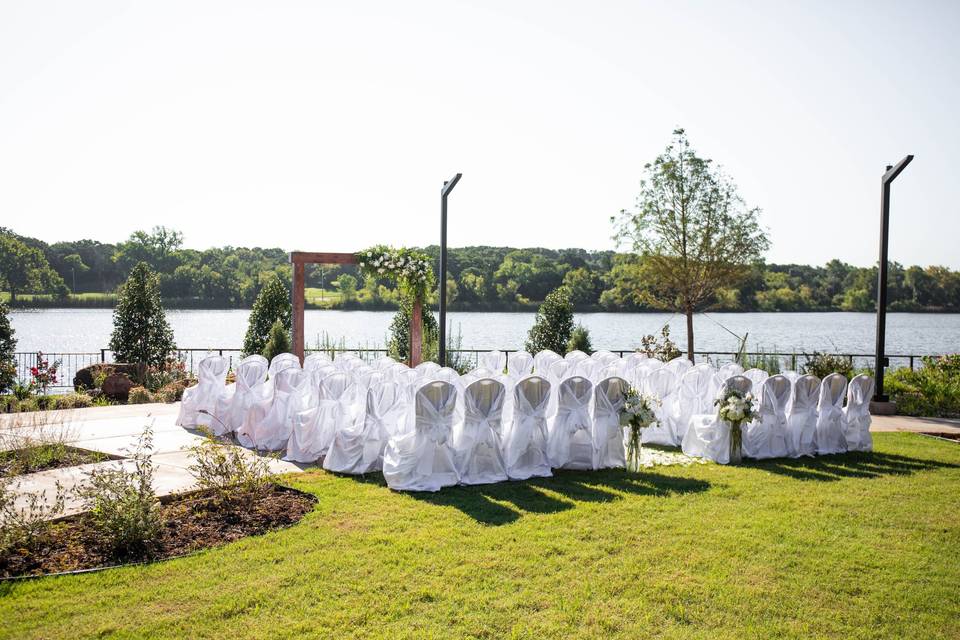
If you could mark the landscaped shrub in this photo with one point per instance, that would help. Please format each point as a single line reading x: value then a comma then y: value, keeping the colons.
x: 141, y: 333
x: 823, y: 364
x: 25, y: 528
x: 74, y: 401
x: 580, y: 340
x: 123, y: 507
x: 663, y: 348
x: 553, y: 325
x: 8, y: 345
x: 234, y: 476
x: 272, y: 304
x: 278, y: 342
x: 139, y: 395
x: 933, y: 390
x: 398, y: 345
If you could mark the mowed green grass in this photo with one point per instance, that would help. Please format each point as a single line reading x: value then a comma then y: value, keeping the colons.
x: 854, y: 546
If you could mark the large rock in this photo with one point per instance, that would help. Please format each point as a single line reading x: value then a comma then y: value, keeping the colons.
x: 86, y: 378
x: 116, y: 386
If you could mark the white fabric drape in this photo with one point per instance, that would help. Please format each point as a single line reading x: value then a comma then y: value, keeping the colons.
x: 695, y: 397
x: 662, y: 385
x: 609, y: 398
x: 802, y: 417
x: 203, y: 396
x: 766, y: 436
x: 830, y: 436
x: 249, y: 388
x: 525, y: 440
x: 313, y: 429
x: 519, y: 365
x: 476, y: 445
x: 570, y: 442
x: 856, y: 415
x: 358, y: 447
x: 495, y: 361
x: 422, y: 460
x: 707, y: 435
x: 542, y: 361
x: 268, y: 422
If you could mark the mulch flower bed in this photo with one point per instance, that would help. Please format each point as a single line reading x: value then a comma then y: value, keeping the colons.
x: 945, y: 436
x: 45, y: 457
x: 192, y: 522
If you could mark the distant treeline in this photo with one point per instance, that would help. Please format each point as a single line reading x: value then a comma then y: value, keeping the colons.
x: 479, y: 278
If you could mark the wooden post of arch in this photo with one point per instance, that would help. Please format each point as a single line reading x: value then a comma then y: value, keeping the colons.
x: 299, y: 259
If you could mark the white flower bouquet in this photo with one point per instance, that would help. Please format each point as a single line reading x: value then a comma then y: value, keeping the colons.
x: 735, y: 408
x: 637, y: 414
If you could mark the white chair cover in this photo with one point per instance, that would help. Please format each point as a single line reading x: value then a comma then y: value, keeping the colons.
x: 316, y: 360
x: 203, y: 396
x: 679, y: 366
x: 856, y: 415
x: 542, y: 362
x: 802, y: 417
x: 604, y: 357
x: 268, y: 422
x: 707, y: 435
x: 756, y: 376
x: 662, y: 385
x: 427, y: 369
x: 519, y: 365
x: 830, y: 435
x: 767, y: 436
x: 695, y: 397
x: 358, y: 448
x: 422, y: 460
x: 476, y: 445
x: 383, y: 362
x: 495, y: 361
x: 584, y: 368
x: 249, y: 388
x: 314, y: 429
x: 525, y: 441
x: 283, y: 361
x: 575, y: 356
x: 790, y: 375
x: 609, y: 398
x: 570, y: 442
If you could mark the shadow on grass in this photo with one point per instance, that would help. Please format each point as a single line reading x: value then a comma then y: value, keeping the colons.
x: 506, y: 502
x: 848, y: 465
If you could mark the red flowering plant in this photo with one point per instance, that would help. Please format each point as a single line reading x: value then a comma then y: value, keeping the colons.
x: 44, y: 373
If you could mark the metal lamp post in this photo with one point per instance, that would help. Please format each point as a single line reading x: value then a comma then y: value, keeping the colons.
x: 881, y: 402
x: 448, y: 186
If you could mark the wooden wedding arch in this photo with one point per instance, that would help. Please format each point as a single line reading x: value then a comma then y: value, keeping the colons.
x: 299, y: 259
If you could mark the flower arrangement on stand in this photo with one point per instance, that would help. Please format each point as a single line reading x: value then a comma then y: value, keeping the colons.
x: 736, y: 408
x: 637, y: 414
x: 411, y: 270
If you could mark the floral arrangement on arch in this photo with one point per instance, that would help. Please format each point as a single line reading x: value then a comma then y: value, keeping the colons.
x: 411, y: 270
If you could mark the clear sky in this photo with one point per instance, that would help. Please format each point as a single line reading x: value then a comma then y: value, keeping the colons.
x: 331, y: 125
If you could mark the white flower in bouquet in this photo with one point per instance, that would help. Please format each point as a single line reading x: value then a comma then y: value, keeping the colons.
x: 637, y: 414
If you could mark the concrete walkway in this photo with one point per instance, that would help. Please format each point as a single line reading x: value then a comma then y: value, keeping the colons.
x: 114, y: 430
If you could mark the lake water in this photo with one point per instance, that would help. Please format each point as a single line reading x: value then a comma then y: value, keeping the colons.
x: 71, y: 330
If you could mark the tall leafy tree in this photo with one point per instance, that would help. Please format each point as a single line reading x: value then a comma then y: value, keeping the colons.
x: 553, y: 325
x: 141, y: 332
x: 694, y: 230
x: 272, y: 304
x: 24, y: 268
x: 8, y: 346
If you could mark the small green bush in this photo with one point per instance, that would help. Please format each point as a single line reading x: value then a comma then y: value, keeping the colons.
x: 30, y: 404
x: 236, y: 477
x: 74, y: 401
x: 580, y: 340
x: 932, y: 391
x: 553, y: 326
x: 123, y: 507
x: 26, y: 528
x: 278, y: 342
x: 139, y: 395
x: 823, y: 364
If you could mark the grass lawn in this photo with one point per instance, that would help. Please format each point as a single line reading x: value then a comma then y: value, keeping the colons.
x: 312, y: 295
x: 854, y: 546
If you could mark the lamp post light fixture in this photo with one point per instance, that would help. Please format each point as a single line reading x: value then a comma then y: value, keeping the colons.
x: 448, y: 186
x: 881, y: 402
